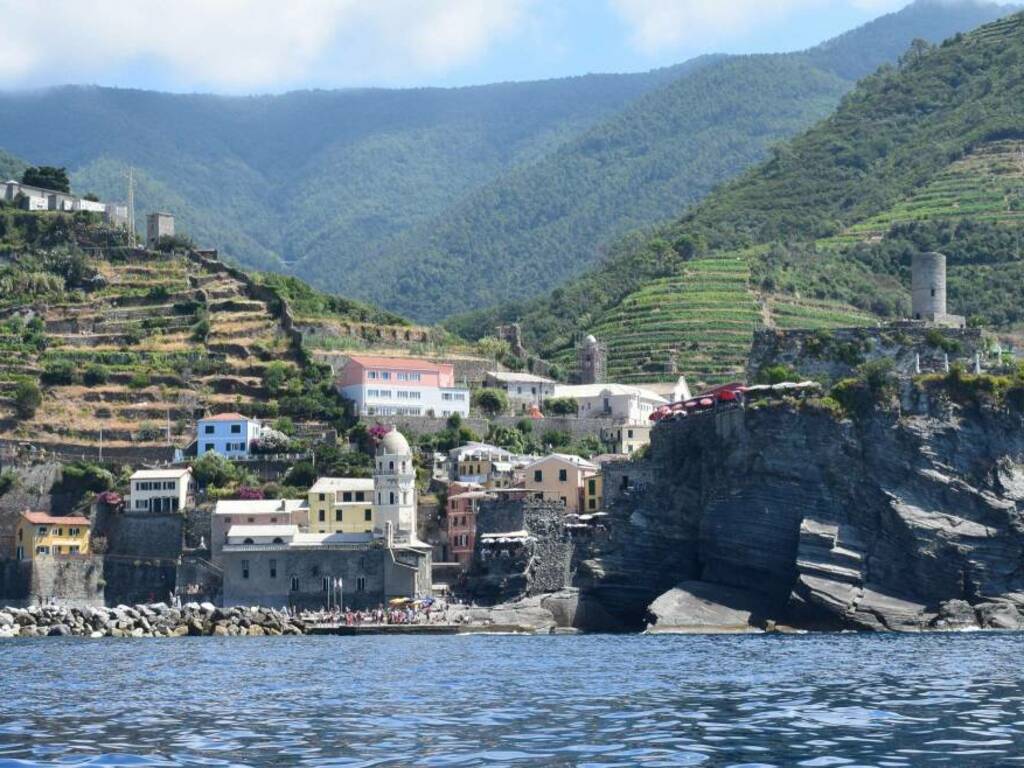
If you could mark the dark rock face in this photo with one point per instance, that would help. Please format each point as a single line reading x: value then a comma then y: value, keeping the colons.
x: 889, y: 522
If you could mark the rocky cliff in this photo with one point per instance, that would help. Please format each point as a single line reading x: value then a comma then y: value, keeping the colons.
x: 787, y: 514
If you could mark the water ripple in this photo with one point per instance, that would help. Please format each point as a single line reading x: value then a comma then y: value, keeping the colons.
x: 742, y: 702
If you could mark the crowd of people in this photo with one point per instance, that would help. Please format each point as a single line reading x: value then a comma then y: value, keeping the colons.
x: 428, y: 611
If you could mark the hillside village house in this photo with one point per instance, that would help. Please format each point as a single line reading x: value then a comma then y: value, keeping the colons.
x: 259, y: 512
x: 559, y: 477
x: 523, y: 389
x: 463, y: 499
x: 622, y: 402
x: 161, y: 490
x: 39, y: 199
x: 626, y: 438
x: 397, y: 386
x: 41, y: 534
x: 486, y: 465
x: 341, y: 505
x: 229, y: 434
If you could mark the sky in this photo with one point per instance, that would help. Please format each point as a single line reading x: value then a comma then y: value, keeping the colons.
x: 270, y: 46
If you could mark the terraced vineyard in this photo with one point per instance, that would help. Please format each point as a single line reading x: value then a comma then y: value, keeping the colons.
x: 699, y: 321
x: 986, y: 185
x: 789, y: 312
x: 161, y: 340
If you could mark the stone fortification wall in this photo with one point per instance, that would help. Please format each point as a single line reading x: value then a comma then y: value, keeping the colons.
x: 76, y: 581
x: 835, y: 354
x: 140, y: 535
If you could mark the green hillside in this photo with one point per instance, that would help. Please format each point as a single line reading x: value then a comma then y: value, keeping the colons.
x: 544, y: 223
x: 10, y: 166
x: 431, y: 201
x: 924, y: 156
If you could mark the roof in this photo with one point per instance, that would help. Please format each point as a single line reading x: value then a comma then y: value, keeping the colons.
x: 320, y: 539
x: 514, y: 376
x: 401, y: 363
x: 604, y: 458
x: 262, y: 531
x: 576, y: 391
x: 227, y: 417
x: 576, y: 461
x: 472, y: 495
x: 152, y: 474
x: 258, y: 506
x: 329, y: 484
x: 43, y: 518
x: 395, y: 444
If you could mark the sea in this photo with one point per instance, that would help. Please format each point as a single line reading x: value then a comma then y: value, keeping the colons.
x: 485, y: 700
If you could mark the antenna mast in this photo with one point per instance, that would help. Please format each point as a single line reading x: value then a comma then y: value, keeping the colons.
x: 131, y: 204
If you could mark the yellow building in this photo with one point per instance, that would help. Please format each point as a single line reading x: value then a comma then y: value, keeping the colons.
x: 559, y: 477
x: 593, y: 493
x: 41, y: 534
x: 627, y: 438
x: 341, y: 505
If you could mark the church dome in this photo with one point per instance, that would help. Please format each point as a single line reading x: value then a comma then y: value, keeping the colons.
x: 590, y: 340
x: 394, y: 443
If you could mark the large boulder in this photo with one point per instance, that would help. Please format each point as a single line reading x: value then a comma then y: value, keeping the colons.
x: 698, y: 606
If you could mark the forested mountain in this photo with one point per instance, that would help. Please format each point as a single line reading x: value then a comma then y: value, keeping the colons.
x: 429, y: 201
x: 926, y: 155
x: 266, y: 178
x: 540, y: 224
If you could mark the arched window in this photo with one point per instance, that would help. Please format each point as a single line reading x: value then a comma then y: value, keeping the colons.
x: 380, y: 498
x: 325, y: 583
x: 391, y: 497
x: 248, y: 541
x: 278, y: 540
x: 391, y: 466
x: 295, y: 583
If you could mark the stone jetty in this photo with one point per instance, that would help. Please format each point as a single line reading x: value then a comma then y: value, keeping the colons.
x: 155, y: 620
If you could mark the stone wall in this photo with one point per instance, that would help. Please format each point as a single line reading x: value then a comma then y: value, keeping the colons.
x: 425, y: 425
x: 78, y: 581
x: 140, y: 535
x: 835, y: 354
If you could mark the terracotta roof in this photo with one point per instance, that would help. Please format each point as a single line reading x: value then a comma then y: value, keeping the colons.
x: 42, y: 518
x: 400, y: 363
x: 227, y: 417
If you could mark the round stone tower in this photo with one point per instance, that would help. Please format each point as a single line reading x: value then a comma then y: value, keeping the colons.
x: 928, y: 286
x: 394, y: 488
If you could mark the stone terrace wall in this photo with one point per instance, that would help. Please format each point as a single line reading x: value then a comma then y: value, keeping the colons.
x: 426, y: 425
x: 836, y: 353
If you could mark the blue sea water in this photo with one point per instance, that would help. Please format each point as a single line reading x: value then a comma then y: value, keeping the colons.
x: 596, y: 700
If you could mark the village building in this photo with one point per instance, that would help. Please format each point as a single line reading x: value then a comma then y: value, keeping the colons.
x: 40, y: 534
x: 161, y: 490
x: 229, y: 434
x: 622, y: 402
x: 341, y: 505
x: 463, y: 499
x: 626, y: 438
x: 396, y: 386
x: 486, y: 465
x: 281, y: 564
x: 561, y: 478
x: 674, y: 391
x: 523, y: 389
x: 256, y: 512
x: 591, y: 361
x: 158, y: 225
x: 32, y: 198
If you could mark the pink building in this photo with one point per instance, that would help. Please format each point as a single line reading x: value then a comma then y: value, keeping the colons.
x: 462, y: 503
x: 402, y: 386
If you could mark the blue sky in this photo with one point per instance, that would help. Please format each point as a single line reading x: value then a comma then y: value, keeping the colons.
x: 257, y: 46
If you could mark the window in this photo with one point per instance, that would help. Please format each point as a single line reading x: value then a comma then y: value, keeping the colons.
x: 360, y: 584
x: 563, y: 475
x: 347, y: 496
x: 208, y: 429
x: 245, y: 569
x: 278, y: 540
x: 564, y: 501
x: 629, y: 433
x: 236, y: 429
x: 391, y: 497
x: 391, y: 466
x: 337, y: 515
x: 73, y: 549
x: 295, y: 584
x: 323, y: 497
x: 73, y: 531
x: 385, y: 376
x: 273, y: 569
x: 41, y: 531
x: 371, y: 374
x: 592, y: 485
x: 592, y: 503
x: 325, y: 584
x: 360, y: 496
x: 538, y: 476
x: 42, y: 550
x: 209, y: 447
x: 248, y: 541
x: 252, y: 520
x: 323, y: 515
x: 368, y: 515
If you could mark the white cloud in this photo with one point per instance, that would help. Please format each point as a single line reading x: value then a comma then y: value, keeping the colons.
x: 247, y: 44
x: 658, y: 25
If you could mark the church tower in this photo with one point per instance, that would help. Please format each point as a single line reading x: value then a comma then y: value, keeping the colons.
x: 394, y: 488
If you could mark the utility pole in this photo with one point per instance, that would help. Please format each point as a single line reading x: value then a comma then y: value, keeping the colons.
x: 131, y: 205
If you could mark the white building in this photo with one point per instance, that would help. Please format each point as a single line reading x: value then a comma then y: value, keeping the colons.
x: 158, y: 225
x: 523, y: 389
x: 161, y: 490
x: 394, y: 484
x: 260, y: 512
x: 396, y: 386
x: 229, y: 434
x: 622, y: 402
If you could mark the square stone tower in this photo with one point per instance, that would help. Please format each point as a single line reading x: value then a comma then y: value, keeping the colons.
x: 158, y: 225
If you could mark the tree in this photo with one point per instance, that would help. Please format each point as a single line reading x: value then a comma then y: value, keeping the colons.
x: 301, y: 475
x: 213, y: 469
x: 561, y: 406
x: 506, y: 437
x: 27, y: 398
x: 47, y: 177
x: 494, y: 348
x: 491, y: 401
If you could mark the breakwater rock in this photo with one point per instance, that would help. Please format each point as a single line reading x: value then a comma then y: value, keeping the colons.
x: 788, y: 515
x: 156, y: 620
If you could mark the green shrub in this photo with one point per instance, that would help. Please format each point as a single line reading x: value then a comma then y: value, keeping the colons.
x: 139, y: 380
x: 776, y: 374
x: 490, y: 401
x: 95, y: 374
x: 60, y: 372
x: 936, y: 339
x: 27, y: 398
x: 561, y: 406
